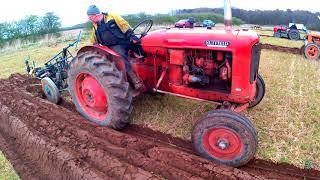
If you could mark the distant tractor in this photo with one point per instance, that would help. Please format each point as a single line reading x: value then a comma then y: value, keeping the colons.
x: 290, y: 32
x: 219, y: 66
x: 312, y: 45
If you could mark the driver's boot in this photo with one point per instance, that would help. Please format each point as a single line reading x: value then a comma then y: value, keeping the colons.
x: 136, y: 81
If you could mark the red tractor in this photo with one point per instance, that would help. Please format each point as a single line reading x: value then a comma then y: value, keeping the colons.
x: 291, y: 32
x: 217, y: 66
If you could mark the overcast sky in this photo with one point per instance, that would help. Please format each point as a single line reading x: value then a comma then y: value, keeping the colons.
x: 73, y: 12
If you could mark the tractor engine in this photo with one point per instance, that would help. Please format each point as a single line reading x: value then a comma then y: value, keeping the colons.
x: 200, y: 68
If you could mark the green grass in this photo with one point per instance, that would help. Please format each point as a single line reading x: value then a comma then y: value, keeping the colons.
x: 287, y: 120
x: 282, y: 42
x: 279, y: 41
x: 12, y: 60
x: 289, y: 116
x: 264, y: 32
x: 6, y: 170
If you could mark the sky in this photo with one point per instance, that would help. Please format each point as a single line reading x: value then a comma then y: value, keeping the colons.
x: 73, y: 12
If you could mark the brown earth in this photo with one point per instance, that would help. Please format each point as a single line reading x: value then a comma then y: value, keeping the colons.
x: 47, y: 141
x: 283, y: 49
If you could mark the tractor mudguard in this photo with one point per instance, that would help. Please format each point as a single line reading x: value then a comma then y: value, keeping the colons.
x: 111, y: 55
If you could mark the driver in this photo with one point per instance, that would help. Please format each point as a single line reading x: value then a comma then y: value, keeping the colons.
x: 113, y: 31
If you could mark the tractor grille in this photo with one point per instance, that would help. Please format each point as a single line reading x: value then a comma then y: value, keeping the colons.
x: 255, y: 60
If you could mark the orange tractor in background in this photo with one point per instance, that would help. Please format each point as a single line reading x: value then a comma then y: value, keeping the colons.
x: 312, y: 45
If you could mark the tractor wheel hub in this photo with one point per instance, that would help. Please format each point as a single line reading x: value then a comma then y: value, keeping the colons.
x: 223, y: 144
x: 93, y: 94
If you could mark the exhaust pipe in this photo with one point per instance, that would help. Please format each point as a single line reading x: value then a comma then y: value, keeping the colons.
x: 227, y: 15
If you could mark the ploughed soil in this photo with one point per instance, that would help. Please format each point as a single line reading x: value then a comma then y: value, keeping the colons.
x: 46, y: 141
x: 291, y: 50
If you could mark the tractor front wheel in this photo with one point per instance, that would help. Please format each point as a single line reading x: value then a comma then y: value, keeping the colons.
x: 277, y: 34
x: 311, y: 51
x: 99, y: 90
x: 225, y: 137
x: 260, y: 92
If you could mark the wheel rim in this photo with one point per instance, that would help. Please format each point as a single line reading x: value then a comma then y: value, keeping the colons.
x: 294, y: 36
x: 312, y: 51
x: 91, y: 96
x: 222, y: 143
x: 48, y: 91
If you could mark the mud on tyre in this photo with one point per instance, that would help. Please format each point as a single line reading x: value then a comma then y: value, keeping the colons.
x: 99, y: 90
x: 225, y: 137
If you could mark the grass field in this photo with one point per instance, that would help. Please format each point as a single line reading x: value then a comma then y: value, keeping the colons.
x: 287, y: 120
x: 6, y: 170
x: 280, y: 41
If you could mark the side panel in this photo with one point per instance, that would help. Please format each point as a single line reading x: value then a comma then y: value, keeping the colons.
x: 158, y: 45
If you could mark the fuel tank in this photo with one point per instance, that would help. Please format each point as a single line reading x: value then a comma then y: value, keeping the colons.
x: 198, y: 38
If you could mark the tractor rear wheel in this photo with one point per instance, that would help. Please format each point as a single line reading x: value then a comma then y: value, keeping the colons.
x: 225, y: 137
x: 311, y: 51
x: 294, y: 34
x: 99, y: 90
x: 260, y: 92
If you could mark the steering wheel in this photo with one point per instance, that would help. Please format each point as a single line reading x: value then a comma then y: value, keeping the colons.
x: 145, y: 25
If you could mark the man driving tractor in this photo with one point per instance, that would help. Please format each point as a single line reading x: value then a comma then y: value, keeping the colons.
x: 113, y: 31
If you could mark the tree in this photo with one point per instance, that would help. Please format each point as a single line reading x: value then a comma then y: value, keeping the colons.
x: 32, y: 25
x: 50, y: 23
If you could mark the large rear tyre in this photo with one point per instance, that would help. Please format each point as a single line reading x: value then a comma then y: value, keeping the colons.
x: 260, y: 92
x: 294, y: 34
x: 311, y: 51
x: 225, y: 137
x: 99, y: 90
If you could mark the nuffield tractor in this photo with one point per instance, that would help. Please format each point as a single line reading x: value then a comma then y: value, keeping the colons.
x: 209, y: 65
x: 312, y: 45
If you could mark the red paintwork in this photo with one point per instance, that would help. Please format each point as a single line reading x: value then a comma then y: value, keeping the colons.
x: 212, y: 138
x: 241, y: 42
x: 91, y: 96
x: 177, y: 57
x: 279, y: 28
x: 166, y: 52
x: 313, y: 51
